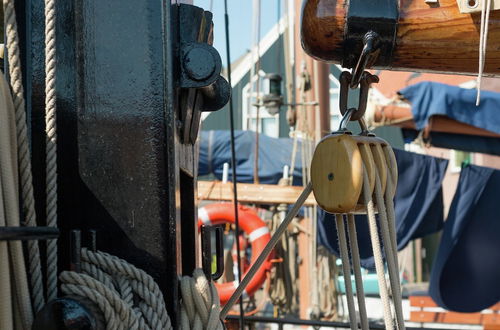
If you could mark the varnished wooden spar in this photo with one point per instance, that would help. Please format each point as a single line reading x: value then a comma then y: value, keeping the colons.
x: 429, y: 38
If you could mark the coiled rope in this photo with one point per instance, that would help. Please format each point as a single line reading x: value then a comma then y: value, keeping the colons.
x: 129, y: 298
x: 23, y: 154
x: 51, y: 143
x: 15, y: 303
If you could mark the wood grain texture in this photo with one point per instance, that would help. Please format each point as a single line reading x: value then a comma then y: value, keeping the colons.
x: 337, y: 174
x: 429, y: 38
x: 251, y: 193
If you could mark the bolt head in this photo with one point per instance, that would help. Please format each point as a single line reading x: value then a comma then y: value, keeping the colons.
x: 199, y: 63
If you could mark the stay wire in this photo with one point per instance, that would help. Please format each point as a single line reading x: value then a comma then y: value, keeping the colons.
x: 233, y: 161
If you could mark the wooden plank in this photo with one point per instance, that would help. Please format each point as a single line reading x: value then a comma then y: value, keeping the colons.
x: 422, y: 301
x: 461, y: 318
x: 491, y: 319
x: 423, y: 317
x: 251, y: 193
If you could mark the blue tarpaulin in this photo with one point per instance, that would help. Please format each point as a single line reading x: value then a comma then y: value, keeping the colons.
x: 274, y: 154
x: 418, y: 206
x: 431, y: 98
x: 466, y: 272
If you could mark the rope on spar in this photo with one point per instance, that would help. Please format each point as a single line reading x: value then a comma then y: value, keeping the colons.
x: 23, y: 154
x: 51, y: 143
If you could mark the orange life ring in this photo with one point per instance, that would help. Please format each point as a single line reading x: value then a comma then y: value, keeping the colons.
x: 258, y: 236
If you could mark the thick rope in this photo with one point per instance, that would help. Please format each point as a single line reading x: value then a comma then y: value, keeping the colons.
x: 23, y: 154
x: 356, y: 261
x: 391, y: 221
x: 128, y: 297
x: 375, y: 240
x: 346, y: 269
x: 9, y: 188
x: 200, y: 303
x: 51, y: 143
x: 389, y: 252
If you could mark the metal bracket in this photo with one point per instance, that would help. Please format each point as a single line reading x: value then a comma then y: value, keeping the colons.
x: 202, y: 86
x: 206, y: 245
x: 28, y: 233
x: 374, y: 16
x: 345, y: 80
x: 201, y: 65
x: 474, y: 6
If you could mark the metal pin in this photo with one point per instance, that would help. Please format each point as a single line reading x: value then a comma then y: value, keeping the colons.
x: 76, y: 246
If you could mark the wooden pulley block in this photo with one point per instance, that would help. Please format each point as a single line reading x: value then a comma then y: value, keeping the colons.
x: 414, y: 35
x: 337, y: 170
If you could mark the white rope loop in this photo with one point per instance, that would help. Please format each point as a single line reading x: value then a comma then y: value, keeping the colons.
x: 200, y: 303
x: 128, y: 297
x: 23, y: 154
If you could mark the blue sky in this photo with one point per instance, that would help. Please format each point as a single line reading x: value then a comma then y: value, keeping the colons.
x: 240, y: 23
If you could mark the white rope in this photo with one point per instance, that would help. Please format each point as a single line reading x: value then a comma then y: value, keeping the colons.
x: 375, y: 240
x: 483, y: 40
x: 129, y: 298
x: 346, y: 269
x: 200, y: 307
x: 360, y: 292
x: 391, y: 255
x: 6, y: 308
x: 23, y: 154
x: 51, y: 143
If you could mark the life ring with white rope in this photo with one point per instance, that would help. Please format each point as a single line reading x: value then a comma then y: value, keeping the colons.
x: 258, y: 236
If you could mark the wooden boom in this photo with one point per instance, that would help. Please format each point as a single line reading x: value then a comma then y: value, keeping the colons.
x: 429, y: 37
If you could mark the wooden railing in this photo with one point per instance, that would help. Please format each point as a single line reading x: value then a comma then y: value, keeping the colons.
x: 425, y: 310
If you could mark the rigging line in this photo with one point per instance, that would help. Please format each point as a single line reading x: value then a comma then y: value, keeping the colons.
x: 233, y: 160
x: 256, y: 72
x: 280, y: 45
x: 483, y: 38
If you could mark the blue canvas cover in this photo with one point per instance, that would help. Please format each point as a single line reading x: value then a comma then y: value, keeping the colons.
x: 274, y: 154
x: 418, y: 206
x: 432, y: 98
x: 466, y: 273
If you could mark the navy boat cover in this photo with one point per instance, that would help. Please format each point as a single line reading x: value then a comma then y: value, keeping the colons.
x: 466, y: 274
x: 274, y: 154
x: 432, y: 98
x: 418, y: 206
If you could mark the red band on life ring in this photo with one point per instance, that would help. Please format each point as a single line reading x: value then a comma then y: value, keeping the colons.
x: 258, y: 236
